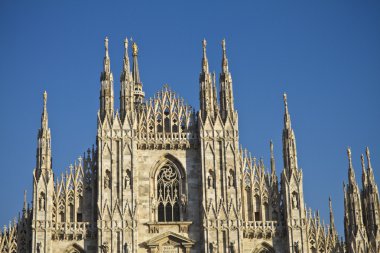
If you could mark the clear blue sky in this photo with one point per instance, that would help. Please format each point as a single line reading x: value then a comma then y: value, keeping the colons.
x: 324, y: 54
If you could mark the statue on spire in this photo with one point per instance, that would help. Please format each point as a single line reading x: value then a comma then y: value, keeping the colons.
x: 106, y: 45
x: 204, y: 44
x: 45, y: 99
x: 135, y: 49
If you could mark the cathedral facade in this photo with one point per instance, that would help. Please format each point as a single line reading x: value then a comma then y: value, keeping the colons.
x: 163, y: 178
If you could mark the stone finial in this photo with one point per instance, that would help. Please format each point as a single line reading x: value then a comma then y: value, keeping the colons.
x: 349, y: 156
x: 287, y: 121
x: 364, y: 173
x: 362, y: 161
x: 331, y: 213
x: 204, y: 44
x: 25, y: 204
x: 271, y: 149
x: 44, y: 118
x: 224, y: 59
x: 106, y: 45
x: 368, y: 157
x: 204, y: 59
x: 285, y: 100
x: 126, y: 44
x: 45, y: 99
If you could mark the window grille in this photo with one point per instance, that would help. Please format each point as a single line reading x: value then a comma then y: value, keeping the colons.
x: 168, y: 192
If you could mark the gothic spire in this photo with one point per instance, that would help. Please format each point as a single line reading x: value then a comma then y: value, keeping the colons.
x: 289, y: 142
x: 364, y: 173
x: 224, y: 58
x: 370, y: 170
x: 208, y: 97
x: 106, y: 74
x: 332, y: 222
x: 125, y: 76
x: 272, y: 161
x: 204, y: 58
x: 351, y: 172
x: 106, y: 90
x: 287, y: 122
x: 44, y: 140
x: 138, y: 91
x: 25, y: 208
x: 44, y: 117
x: 226, y: 91
x: 126, y: 80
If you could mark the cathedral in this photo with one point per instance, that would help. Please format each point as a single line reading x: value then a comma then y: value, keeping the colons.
x: 163, y: 178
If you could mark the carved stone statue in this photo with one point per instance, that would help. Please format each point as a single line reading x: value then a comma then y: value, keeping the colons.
x: 210, y: 180
x: 128, y: 248
x: 107, y: 181
x: 39, y: 247
x: 214, y: 247
x: 297, y: 247
x: 105, y: 248
x: 230, y: 180
x: 126, y: 182
x: 295, y: 201
x: 42, y: 203
x: 183, y: 202
x: 233, y: 247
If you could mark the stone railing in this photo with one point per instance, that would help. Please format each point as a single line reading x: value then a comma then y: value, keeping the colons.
x: 72, y: 230
x: 166, y: 140
x: 261, y: 229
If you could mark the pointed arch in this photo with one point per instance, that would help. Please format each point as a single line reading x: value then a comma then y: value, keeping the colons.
x: 168, y: 158
x: 74, y: 248
x: 168, y: 184
x: 264, y: 248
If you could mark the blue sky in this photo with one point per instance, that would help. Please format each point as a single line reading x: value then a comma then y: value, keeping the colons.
x: 324, y: 54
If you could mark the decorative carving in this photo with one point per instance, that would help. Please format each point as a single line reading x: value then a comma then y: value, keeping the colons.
x: 168, y: 190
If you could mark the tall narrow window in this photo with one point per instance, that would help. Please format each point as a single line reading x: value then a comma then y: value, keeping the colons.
x: 249, y: 203
x: 62, y: 216
x: 266, y: 211
x: 257, y: 208
x: 71, y: 209
x: 168, y: 194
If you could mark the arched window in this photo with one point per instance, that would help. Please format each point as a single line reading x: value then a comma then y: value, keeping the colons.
x: 168, y: 192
